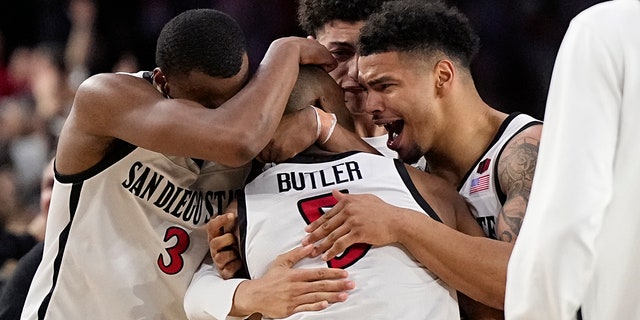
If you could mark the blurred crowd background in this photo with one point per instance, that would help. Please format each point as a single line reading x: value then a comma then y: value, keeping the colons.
x: 48, y: 47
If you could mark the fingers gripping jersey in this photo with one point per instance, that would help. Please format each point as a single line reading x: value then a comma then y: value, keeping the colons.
x: 390, y: 284
x: 125, y: 237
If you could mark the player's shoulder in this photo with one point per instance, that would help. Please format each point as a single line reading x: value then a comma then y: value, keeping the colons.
x: 107, y: 82
x: 532, y: 131
x: 428, y: 183
x: 517, y: 161
x: 441, y: 195
x: 525, y: 134
x: 107, y: 92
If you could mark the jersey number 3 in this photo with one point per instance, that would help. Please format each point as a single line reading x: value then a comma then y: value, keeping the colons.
x: 175, y: 262
x: 311, y: 209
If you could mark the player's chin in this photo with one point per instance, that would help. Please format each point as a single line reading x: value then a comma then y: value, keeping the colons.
x: 409, y: 156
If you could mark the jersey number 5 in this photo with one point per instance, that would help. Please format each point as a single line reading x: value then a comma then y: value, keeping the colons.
x: 175, y: 261
x: 311, y: 209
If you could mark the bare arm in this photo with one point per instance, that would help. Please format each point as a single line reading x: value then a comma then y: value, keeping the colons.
x: 111, y: 106
x: 454, y: 212
x: 280, y: 292
x: 343, y: 140
x: 475, y: 266
x: 486, y: 280
x: 472, y: 264
x: 515, y: 169
x: 297, y: 131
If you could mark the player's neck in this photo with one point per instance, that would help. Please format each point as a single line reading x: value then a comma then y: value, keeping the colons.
x: 315, y: 151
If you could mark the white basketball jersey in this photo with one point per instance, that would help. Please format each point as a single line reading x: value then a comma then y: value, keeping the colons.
x: 390, y: 284
x: 481, y: 188
x: 125, y: 237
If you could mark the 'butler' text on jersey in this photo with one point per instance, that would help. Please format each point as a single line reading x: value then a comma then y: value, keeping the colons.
x: 278, y: 204
x: 336, y: 174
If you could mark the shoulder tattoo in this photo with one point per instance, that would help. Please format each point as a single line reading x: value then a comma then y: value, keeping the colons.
x: 515, y: 172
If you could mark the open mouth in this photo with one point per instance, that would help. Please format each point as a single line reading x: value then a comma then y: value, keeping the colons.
x: 394, y: 130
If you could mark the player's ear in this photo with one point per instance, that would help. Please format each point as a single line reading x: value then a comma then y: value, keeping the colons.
x: 444, y: 73
x: 160, y: 81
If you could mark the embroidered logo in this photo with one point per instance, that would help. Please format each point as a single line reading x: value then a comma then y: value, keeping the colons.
x: 483, y: 165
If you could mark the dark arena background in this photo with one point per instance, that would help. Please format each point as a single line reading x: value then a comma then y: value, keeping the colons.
x: 519, y: 38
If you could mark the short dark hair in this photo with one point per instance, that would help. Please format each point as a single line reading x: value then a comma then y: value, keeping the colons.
x: 204, y: 40
x: 415, y: 26
x: 314, y: 14
x: 314, y: 82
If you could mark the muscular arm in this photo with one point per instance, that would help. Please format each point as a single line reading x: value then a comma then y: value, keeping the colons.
x: 515, y: 171
x: 343, y: 140
x: 282, y: 291
x: 111, y: 106
x: 455, y: 213
x: 477, y: 266
x: 472, y: 264
x: 297, y: 132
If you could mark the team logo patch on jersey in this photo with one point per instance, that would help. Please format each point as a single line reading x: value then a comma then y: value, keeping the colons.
x: 479, y: 184
x: 483, y: 165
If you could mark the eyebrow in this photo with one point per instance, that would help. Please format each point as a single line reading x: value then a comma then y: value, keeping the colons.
x: 341, y: 43
x: 379, y: 80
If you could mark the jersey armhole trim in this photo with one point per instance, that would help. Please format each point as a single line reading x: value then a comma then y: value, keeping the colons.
x: 501, y: 130
x: 242, y: 234
x: 74, y: 198
x: 404, y: 175
x: 121, y: 149
x: 496, y: 179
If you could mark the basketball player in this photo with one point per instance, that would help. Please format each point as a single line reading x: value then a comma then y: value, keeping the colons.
x: 584, y: 198
x: 414, y: 62
x: 336, y: 25
x: 124, y: 229
x: 279, y: 203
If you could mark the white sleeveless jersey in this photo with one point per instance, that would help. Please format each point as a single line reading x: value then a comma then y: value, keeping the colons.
x: 124, y: 238
x: 390, y: 284
x: 481, y: 188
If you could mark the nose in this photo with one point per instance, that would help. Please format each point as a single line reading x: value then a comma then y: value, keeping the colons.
x: 352, y: 70
x: 374, y: 104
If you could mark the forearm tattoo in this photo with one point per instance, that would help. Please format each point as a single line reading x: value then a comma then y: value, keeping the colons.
x: 516, y: 168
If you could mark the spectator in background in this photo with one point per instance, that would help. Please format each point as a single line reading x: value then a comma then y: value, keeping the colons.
x: 77, y: 54
x: 18, y: 71
x: 51, y: 89
x: 23, y: 143
x: 38, y: 225
x: 14, y: 291
x: 14, y: 241
x: 6, y: 86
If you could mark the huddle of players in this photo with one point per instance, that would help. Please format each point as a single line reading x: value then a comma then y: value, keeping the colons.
x: 387, y: 64
x: 402, y: 64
